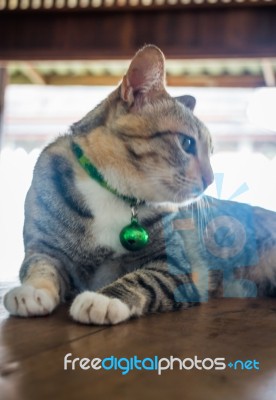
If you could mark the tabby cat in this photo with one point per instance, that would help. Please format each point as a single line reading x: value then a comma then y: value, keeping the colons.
x: 116, y: 220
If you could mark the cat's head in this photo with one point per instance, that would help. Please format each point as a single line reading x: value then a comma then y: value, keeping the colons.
x: 146, y: 143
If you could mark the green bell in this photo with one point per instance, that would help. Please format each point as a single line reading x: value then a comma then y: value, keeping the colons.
x: 133, y: 236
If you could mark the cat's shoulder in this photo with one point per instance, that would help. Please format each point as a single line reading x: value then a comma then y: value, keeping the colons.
x: 56, y: 156
x: 60, y: 146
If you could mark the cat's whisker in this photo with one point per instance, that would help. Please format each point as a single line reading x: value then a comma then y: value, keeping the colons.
x: 205, y: 211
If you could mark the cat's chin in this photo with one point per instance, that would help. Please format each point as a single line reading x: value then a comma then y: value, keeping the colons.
x: 172, y: 205
x: 188, y: 202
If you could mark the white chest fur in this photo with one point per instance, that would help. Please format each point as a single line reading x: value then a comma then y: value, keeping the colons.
x: 110, y: 214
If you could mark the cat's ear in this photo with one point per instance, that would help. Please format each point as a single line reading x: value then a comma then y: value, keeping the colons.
x: 187, y: 101
x: 145, y: 78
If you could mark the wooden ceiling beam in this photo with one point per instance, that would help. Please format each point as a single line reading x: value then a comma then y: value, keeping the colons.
x: 268, y: 72
x: 213, y: 32
x: 3, y: 84
x: 32, y: 74
x: 185, y: 80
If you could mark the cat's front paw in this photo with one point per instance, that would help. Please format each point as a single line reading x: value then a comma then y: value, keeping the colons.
x: 96, y: 308
x: 27, y: 301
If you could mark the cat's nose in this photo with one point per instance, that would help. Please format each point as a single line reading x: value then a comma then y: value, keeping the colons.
x: 207, y: 177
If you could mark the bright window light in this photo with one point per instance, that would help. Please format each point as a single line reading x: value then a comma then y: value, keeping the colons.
x: 36, y: 115
x: 261, y: 109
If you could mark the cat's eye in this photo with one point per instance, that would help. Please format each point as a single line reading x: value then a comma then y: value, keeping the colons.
x: 188, y: 144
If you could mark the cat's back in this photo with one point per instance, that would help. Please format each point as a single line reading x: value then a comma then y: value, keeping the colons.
x: 55, y: 174
x: 56, y: 156
x: 56, y: 216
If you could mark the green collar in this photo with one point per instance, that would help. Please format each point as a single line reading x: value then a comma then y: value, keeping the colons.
x: 97, y: 176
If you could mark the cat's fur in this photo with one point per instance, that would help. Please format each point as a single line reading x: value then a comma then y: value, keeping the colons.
x: 150, y: 146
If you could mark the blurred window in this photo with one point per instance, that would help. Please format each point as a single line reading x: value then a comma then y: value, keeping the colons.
x: 241, y: 121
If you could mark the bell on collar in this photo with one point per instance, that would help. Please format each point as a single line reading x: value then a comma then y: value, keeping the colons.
x: 133, y: 236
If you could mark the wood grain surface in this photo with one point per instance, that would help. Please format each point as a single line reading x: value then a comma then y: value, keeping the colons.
x: 32, y: 354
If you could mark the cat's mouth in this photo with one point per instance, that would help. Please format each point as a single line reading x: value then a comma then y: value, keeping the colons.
x: 179, y: 201
x: 191, y: 200
x: 186, y: 199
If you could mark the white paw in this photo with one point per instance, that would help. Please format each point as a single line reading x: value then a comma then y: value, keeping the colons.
x: 27, y: 301
x: 96, y: 308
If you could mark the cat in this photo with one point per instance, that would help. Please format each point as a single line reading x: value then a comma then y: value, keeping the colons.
x: 116, y: 220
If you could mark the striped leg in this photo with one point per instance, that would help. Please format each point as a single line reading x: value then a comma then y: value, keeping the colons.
x: 151, y: 289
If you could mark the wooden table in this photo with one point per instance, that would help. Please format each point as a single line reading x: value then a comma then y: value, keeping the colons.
x: 32, y: 354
